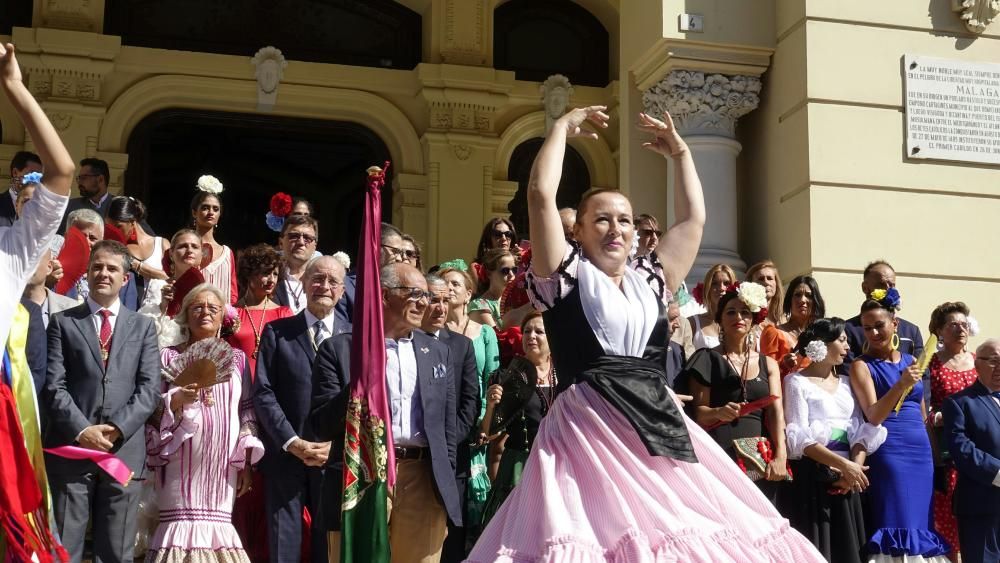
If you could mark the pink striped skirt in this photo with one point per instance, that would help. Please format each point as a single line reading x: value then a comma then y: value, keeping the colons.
x: 591, y: 493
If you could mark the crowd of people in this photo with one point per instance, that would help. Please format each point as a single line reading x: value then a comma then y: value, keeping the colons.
x: 548, y: 400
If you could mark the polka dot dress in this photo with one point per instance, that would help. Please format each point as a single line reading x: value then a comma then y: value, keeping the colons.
x: 945, y: 382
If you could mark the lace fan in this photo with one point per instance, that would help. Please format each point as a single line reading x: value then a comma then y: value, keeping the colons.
x: 205, y: 363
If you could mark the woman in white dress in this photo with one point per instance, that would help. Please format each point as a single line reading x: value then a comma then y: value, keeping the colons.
x: 206, y: 209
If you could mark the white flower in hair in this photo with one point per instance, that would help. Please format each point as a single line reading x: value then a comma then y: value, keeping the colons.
x: 753, y: 295
x: 816, y: 351
x: 210, y: 184
x: 343, y: 258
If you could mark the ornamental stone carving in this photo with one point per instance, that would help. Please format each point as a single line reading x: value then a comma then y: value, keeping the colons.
x: 449, y: 116
x: 703, y: 103
x: 269, y: 68
x: 556, y: 91
x: 977, y: 14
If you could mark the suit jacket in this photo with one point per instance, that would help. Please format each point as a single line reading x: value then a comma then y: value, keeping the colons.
x: 283, y: 386
x: 972, y: 430
x: 7, y: 212
x: 466, y: 374
x: 343, y: 312
x: 79, y: 391
x: 58, y: 303
x: 675, y: 361
x: 36, y: 347
x: 331, y: 381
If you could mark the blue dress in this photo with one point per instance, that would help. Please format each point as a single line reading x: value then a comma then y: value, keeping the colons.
x: 902, y: 475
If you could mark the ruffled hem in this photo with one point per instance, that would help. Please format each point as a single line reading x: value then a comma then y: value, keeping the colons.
x: 173, y: 431
x: 201, y: 555
x: 896, y: 542
x: 205, y: 530
x: 798, y: 438
x: 245, y: 442
x: 784, y: 544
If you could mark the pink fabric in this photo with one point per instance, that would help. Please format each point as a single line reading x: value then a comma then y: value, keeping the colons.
x: 591, y: 493
x: 110, y: 463
x: 196, y: 460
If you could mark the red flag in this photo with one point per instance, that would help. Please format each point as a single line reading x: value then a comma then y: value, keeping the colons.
x: 369, y: 458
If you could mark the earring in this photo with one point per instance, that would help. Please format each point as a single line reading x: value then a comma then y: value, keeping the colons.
x: 895, y: 341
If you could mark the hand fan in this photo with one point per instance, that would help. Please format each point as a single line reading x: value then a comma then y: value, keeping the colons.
x: 188, y: 281
x: 74, y: 256
x: 205, y: 363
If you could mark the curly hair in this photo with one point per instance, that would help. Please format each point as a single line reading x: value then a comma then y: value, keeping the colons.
x: 941, y: 312
x: 254, y: 261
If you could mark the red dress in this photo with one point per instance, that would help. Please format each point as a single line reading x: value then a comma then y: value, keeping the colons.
x: 945, y: 382
x: 248, y: 512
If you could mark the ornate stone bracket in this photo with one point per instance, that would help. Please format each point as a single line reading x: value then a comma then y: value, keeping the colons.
x: 448, y: 116
x: 269, y: 68
x: 977, y: 14
x: 703, y: 103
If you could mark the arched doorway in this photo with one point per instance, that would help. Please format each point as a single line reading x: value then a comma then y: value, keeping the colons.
x: 575, y: 180
x: 255, y: 156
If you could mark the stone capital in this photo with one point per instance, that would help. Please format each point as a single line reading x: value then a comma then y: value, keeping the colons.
x: 703, y: 103
x: 976, y: 14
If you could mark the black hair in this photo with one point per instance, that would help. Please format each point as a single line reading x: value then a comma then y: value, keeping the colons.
x: 298, y: 220
x: 874, y: 264
x: 486, y: 238
x: 871, y: 305
x: 22, y: 158
x: 200, y: 197
x: 125, y: 209
x: 297, y: 200
x: 725, y: 298
x: 99, y: 166
x: 819, y: 306
x: 826, y: 330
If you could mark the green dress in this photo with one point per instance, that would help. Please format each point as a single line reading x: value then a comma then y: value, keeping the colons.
x: 487, y: 352
x: 484, y: 304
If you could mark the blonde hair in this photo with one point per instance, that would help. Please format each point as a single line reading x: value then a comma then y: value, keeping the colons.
x: 775, y: 305
x: 707, y: 282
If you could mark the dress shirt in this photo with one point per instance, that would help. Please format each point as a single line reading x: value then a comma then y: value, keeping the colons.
x: 98, y: 319
x: 21, y: 247
x: 45, y: 312
x: 404, y: 393
x: 311, y: 321
x: 13, y: 194
x: 100, y: 202
x: 296, y: 295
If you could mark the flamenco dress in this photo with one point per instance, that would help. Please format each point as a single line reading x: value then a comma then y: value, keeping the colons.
x: 617, y: 473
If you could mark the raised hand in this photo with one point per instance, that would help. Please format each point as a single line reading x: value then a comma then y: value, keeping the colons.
x: 574, y: 119
x: 666, y: 140
x: 9, y: 71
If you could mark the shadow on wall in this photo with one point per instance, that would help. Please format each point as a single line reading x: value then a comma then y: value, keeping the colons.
x: 948, y: 23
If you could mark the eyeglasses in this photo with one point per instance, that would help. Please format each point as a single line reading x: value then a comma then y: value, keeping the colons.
x: 320, y: 279
x: 211, y: 309
x: 957, y: 325
x: 992, y: 361
x: 648, y: 232
x: 308, y: 239
x: 507, y: 271
x: 82, y: 176
x: 503, y: 234
x: 404, y: 252
x: 414, y: 293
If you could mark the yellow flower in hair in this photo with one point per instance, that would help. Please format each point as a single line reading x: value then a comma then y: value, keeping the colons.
x: 878, y: 294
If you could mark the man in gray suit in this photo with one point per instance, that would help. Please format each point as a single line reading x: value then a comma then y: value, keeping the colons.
x: 103, y: 382
x: 36, y: 292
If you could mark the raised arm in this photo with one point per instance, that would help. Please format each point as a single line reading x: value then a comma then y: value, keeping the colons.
x: 548, y: 243
x: 678, y: 247
x: 59, y: 166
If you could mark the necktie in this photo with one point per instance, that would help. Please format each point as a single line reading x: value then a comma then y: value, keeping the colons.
x: 319, y: 333
x: 105, y: 335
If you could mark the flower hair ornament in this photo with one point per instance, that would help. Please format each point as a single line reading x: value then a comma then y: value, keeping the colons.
x: 210, y: 184
x: 456, y: 264
x: 343, y: 258
x: 31, y: 178
x: 230, y: 322
x: 889, y: 299
x: 279, y: 208
x: 698, y: 293
x: 481, y: 274
x: 754, y: 296
x: 815, y: 351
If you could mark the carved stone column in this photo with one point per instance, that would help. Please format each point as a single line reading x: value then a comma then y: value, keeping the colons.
x: 705, y: 108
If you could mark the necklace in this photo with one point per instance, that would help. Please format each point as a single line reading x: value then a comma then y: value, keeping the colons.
x: 256, y: 333
x: 741, y: 372
x: 553, y: 381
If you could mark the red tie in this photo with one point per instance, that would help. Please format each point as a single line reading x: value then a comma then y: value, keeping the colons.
x: 105, y: 336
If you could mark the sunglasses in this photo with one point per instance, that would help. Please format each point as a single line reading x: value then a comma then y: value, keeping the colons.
x: 308, y: 239
x: 648, y: 232
x: 503, y: 234
x: 507, y: 270
x: 404, y: 252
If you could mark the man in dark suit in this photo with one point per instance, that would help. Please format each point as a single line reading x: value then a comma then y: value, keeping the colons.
x: 421, y: 396
x: 92, y: 182
x: 103, y: 384
x: 972, y: 429
x: 466, y: 376
x: 881, y: 275
x: 293, y: 461
x: 298, y: 240
x: 22, y: 163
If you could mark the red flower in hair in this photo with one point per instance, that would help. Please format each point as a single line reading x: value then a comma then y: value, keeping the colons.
x: 760, y: 316
x: 281, y: 204
x: 699, y: 293
x: 481, y: 274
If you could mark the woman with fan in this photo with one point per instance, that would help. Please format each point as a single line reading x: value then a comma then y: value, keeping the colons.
x: 204, y: 443
x: 616, y: 471
x: 510, y: 446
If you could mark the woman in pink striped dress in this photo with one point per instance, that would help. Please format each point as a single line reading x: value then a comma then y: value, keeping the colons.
x: 617, y: 472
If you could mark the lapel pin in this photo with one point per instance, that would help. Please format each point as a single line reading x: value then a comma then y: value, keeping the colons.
x: 425, y: 350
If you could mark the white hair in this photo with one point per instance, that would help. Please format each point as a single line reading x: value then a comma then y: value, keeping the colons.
x: 84, y: 216
x: 197, y: 290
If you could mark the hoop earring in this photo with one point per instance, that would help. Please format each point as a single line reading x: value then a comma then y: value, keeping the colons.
x: 895, y: 342
x: 864, y: 347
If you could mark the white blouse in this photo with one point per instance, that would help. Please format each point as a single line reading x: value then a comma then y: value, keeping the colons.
x: 815, y: 416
